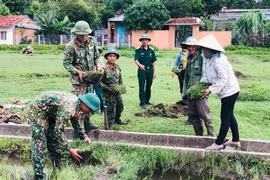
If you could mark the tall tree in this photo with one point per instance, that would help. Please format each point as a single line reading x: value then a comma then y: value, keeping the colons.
x: 78, y: 10
x: 4, y: 10
x: 112, y: 6
x: 144, y: 15
x: 17, y: 6
x: 182, y: 8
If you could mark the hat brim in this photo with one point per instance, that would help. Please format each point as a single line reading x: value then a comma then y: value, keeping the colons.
x: 81, y: 33
x: 210, y: 42
x: 84, y: 100
x: 117, y: 55
x: 145, y: 38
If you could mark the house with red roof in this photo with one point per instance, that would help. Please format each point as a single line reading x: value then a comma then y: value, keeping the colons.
x: 17, y: 29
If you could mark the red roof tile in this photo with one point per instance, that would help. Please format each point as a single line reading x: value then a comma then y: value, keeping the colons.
x: 184, y: 21
x: 8, y: 21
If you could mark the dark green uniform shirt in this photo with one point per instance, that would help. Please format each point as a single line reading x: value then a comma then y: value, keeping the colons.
x: 145, y: 57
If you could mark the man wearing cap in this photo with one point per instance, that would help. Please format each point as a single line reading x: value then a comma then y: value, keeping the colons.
x: 145, y: 59
x: 80, y: 56
x: 197, y: 109
x: 49, y: 113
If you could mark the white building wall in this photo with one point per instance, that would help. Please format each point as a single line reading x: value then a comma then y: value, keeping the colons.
x: 9, y: 37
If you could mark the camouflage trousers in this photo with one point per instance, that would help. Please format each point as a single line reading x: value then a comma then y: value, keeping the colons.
x: 41, y: 138
x: 81, y: 89
x: 197, y: 111
x: 115, y: 107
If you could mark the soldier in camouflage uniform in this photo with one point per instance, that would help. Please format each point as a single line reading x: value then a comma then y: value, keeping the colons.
x: 80, y: 56
x: 113, y: 100
x: 197, y: 109
x: 49, y: 113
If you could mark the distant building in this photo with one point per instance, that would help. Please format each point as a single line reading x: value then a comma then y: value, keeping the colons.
x: 15, y: 29
x: 226, y: 16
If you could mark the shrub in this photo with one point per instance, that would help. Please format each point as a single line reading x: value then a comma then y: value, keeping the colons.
x: 254, y: 93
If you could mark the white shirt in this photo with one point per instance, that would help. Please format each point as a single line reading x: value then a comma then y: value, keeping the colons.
x: 218, y: 71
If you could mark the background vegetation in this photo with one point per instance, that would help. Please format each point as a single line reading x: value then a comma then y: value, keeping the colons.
x: 58, y: 16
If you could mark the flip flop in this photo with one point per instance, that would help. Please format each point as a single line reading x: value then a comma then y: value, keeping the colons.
x: 235, y: 146
x: 215, y: 148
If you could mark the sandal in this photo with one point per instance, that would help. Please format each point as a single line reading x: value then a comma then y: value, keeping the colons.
x: 235, y: 146
x: 216, y: 148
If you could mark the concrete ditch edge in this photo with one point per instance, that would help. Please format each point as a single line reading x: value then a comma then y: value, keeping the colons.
x: 166, y: 141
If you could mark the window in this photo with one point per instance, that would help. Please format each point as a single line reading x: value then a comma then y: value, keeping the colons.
x: 3, y: 35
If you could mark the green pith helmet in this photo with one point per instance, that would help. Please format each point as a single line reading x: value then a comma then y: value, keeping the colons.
x: 145, y: 36
x: 91, y: 100
x: 81, y: 28
x: 190, y: 41
x: 111, y: 51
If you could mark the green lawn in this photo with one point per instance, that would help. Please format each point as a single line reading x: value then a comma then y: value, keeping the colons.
x: 24, y: 77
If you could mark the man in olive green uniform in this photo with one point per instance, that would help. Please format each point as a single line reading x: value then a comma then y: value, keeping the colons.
x: 197, y: 109
x: 80, y: 56
x: 49, y: 113
x: 113, y: 100
x: 145, y: 59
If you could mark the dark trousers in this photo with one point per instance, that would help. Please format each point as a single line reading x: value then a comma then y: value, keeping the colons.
x: 181, y: 83
x: 145, y: 78
x: 228, y: 120
x: 98, y: 93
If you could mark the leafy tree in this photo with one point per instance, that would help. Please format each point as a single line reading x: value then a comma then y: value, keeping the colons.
x: 110, y: 9
x: 264, y: 4
x: 213, y: 6
x: 182, y: 8
x: 241, y: 4
x: 78, y: 10
x: 4, y: 10
x: 17, y: 6
x: 145, y: 15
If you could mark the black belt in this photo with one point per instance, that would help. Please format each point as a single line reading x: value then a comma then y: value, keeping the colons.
x: 148, y: 67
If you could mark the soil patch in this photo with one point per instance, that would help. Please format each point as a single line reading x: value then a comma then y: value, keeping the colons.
x: 238, y: 74
x: 162, y: 110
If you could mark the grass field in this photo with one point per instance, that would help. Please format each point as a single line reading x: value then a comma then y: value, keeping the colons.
x: 24, y: 77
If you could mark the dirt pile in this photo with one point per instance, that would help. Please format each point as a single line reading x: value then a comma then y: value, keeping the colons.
x: 162, y: 110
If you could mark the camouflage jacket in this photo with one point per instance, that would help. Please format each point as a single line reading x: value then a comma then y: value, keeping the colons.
x: 54, y: 108
x: 110, y: 77
x: 80, y: 57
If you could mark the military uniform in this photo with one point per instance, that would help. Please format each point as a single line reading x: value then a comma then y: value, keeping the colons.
x: 81, y: 57
x: 49, y: 113
x: 145, y: 77
x: 197, y: 109
x: 112, y: 75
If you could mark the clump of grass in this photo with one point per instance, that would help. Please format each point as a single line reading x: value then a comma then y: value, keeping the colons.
x: 92, y: 77
x: 176, y: 70
x: 195, y: 91
x: 119, y: 88
x: 254, y: 93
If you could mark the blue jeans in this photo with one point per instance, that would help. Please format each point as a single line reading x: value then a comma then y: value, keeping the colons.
x: 98, y: 93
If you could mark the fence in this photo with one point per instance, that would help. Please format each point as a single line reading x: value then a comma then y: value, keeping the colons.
x: 64, y: 39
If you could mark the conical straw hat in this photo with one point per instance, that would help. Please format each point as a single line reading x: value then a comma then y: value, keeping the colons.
x: 210, y: 42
